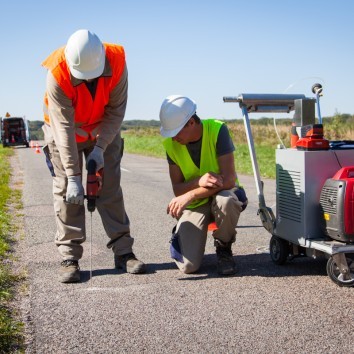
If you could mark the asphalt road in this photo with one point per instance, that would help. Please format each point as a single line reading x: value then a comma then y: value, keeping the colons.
x: 265, y: 308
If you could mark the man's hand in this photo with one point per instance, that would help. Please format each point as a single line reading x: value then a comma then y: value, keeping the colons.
x: 211, y: 180
x: 178, y: 204
x: 96, y: 155
x: 75, y: 190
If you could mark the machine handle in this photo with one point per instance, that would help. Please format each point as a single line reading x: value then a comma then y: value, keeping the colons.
x: 266, y: 102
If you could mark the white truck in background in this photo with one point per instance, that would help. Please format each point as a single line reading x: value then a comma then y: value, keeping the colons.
x: 14, y: 131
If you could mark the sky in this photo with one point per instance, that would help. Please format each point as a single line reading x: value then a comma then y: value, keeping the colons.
x: 204, y: 49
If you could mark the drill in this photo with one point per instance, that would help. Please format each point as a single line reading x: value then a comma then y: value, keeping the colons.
x: 93, y: 185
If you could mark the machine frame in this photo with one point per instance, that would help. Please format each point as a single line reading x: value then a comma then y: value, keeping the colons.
x: 296, y: 228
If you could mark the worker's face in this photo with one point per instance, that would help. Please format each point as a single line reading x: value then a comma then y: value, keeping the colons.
x: 184, y: 135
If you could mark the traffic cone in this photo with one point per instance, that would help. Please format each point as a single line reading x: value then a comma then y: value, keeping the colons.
x: 12, y: 139
x: 32, y: 144
x: 38, y: 151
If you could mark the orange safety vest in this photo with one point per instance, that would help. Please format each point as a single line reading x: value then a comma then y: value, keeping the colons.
x: 88, y: 112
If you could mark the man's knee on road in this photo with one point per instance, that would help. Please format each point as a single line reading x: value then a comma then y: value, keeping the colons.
x: 187, y: 267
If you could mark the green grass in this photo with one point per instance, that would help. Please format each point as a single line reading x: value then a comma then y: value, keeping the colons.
x: 149, y: 143
x: 146, y: 140
x: 265, y: 157
x: 10, y: 328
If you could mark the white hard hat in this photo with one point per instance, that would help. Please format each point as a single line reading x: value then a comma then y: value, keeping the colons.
x: 85, y: 55
x: 175, y: 112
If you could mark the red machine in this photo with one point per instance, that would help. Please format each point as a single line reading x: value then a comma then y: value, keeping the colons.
x: 337, y: 205
x: 311, y: 138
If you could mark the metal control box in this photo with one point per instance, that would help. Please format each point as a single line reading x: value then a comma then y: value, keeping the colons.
x: 298, y: 193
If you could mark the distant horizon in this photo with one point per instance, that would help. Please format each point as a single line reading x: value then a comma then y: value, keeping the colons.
x: 227, y: 119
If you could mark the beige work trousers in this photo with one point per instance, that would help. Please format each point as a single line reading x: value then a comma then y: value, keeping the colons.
x: 70, y: 218
x: 192, y: 228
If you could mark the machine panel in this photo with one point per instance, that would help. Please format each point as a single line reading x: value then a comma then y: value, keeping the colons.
x: 300, y: 178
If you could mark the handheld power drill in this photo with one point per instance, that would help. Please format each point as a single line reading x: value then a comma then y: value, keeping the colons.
x: 93, y: 185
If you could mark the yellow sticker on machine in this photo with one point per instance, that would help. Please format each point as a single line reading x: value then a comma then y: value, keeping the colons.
x: 326, y: 216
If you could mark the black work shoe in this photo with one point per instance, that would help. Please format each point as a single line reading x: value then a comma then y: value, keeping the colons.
x: 129, y: 263
x: 225, y: 264
x: 69, y: 271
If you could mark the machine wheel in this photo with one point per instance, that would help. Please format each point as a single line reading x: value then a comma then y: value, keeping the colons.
x: 335, y: 274
x: 279, y: 250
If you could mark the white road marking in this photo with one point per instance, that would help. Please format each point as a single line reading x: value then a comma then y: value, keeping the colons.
x: 262, y: 249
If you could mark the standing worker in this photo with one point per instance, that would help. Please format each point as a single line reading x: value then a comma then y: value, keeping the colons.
x: 84, y: 106
x: 204, y: 181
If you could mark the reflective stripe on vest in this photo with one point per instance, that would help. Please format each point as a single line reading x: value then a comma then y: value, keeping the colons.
x: 88, y: 112
x: 208, y: 158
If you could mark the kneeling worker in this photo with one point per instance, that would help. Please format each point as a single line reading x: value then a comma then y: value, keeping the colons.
x: 204, y: 181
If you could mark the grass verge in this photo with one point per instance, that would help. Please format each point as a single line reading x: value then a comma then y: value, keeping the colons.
x: 149, y: 143
x: 11, y: 335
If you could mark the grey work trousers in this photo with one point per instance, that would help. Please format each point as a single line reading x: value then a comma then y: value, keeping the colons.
x: 192, y: 228
x: 70, y: 218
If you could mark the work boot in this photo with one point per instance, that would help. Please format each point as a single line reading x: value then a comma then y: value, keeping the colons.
x: 69, y: 271
x: 129, y: 263
x: 225, y: 263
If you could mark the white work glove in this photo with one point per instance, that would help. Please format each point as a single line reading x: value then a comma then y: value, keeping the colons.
x: 75, y: 190
x: 96, y: 155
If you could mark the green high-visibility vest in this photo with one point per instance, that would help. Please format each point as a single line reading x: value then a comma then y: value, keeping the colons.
x: 208, y: 159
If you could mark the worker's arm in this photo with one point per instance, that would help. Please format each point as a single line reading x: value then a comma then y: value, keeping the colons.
x: 114, y: 112
x: 203, y: 187
x: 61, y: 112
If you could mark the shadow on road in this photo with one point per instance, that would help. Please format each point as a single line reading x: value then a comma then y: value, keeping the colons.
x: 257, y: 265
x: 151, y: 268
x: 85, y: 274
x: 260, y: 265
